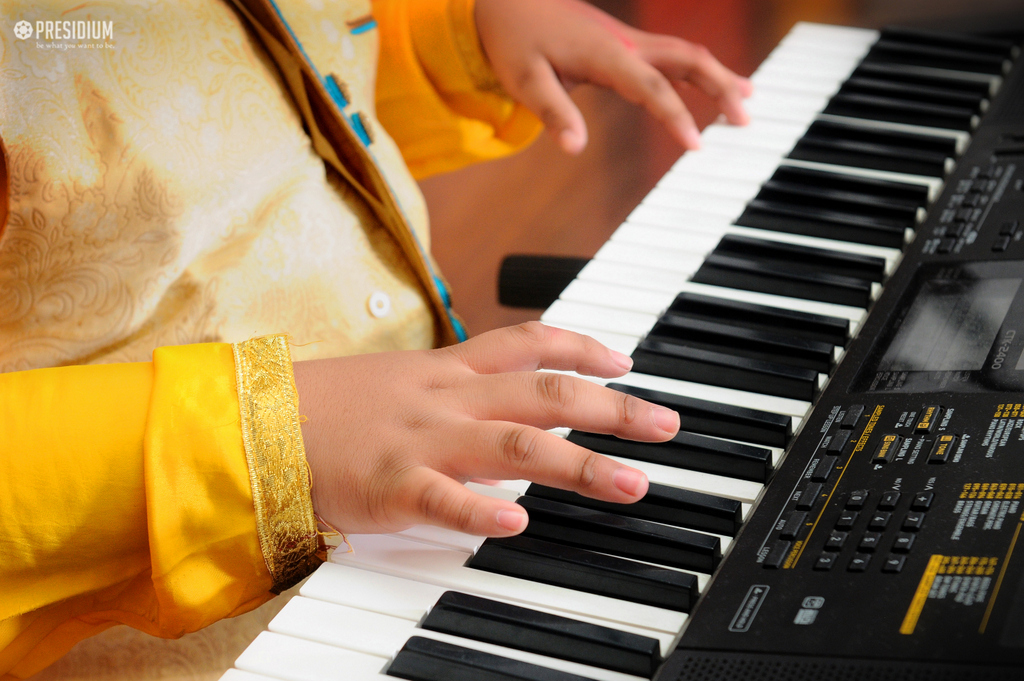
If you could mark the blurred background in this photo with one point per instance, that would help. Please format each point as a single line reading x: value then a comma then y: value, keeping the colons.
x: 542, y: 201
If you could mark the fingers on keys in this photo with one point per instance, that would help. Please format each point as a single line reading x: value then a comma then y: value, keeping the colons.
x: 532, y: 346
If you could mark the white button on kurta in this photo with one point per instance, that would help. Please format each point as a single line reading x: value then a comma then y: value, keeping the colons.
x: 379, y: 304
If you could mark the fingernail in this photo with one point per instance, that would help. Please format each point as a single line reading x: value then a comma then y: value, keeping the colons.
x: 692, y: 138
x: 571, y: 141
x: 622, y: 360
x: 666, y: 419
x: 513, y: 521
x: 633, y: 483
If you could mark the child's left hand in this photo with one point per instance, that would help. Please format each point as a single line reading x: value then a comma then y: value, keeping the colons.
x: 539, y: 48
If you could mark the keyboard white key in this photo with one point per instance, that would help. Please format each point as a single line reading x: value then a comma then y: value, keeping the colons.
x: 296, y: 659
x: 383, y: 636
x: 412, y: 599
x: 446, y: 567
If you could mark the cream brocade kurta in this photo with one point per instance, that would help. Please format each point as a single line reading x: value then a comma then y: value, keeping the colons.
x: 166, y: 191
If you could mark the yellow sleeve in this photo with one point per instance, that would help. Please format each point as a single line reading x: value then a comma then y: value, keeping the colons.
x: 436, y: 94
x: 132, y: 493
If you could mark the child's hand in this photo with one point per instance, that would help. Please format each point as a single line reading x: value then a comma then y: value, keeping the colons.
x: 390, y: 436
x: 538, y: 48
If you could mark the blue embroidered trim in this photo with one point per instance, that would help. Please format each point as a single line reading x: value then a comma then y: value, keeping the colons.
x: 335, y: 92
x: 357, y: 127
x: 363, y: 28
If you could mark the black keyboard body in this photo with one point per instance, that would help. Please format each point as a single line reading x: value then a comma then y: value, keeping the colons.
x: 890, y: 543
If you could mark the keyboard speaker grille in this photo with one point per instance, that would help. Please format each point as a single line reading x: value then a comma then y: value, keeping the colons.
x: 711, y: 666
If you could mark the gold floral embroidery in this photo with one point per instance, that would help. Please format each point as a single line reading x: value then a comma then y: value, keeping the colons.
x: 277, y: 460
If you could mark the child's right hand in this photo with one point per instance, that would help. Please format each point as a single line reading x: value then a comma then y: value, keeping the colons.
x: 390, y: 437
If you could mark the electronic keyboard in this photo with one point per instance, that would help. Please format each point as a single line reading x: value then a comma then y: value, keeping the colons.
x: 832, y: 298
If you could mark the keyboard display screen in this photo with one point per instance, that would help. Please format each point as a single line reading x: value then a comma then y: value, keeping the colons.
x: 959, y: 330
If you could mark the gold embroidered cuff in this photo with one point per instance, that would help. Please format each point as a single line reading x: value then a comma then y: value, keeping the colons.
x: 278, y: 473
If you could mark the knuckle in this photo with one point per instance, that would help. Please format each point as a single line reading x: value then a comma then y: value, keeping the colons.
x: 557, y: 393
x: 657, y: 87
x: 518, y: 445
x: 586, y: 470
x: 533, y: 332
x: 440, y: 504
x: 628, y: 408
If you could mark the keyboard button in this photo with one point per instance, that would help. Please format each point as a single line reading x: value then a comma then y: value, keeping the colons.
x: 859, y: 562
x: 888, y: 501
x: 808, y: 496
x: 835, y: 541
x: 840, y: 442
x: 822, y: 472
x: 904, y: 542
x: 852, y: 416
x: 894, y: 563
x: 776, y: 555
x: 846, y: 520
x: 1008, y: 228
x: 913, y: 521
x: 793, y: 524
x: 857, y: 499
x: 922, y: 501
x: 941, y: 449
x: 879, y: 520
x: 826, y: 561
x: 869, y: 542
x: 926, y: 420
x: 886, y: 449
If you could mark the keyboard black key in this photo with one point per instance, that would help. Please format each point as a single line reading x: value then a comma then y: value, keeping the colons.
x: 824, y: 179
x: 918, y: 93
x: 722, y: 420
x: 743, y: 342
x: 805, y: 258
x: 687, y: 450
x: 511, y: 626
x: 961, y: 41
x: 898, y: 110
x: 896, y: 51
x: 859, y: 154
x: 832, y: 330
x: 662, y: 504
x: 917, y: 75
x: 751, y: 274
x: 860, y: 131
x: 618, y: 535
x: 550, y: 563
x: 714, y: 368
x: 847, y: 144
x: 899, y: 210
x: 825, y: 224
x: 424, y: 659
